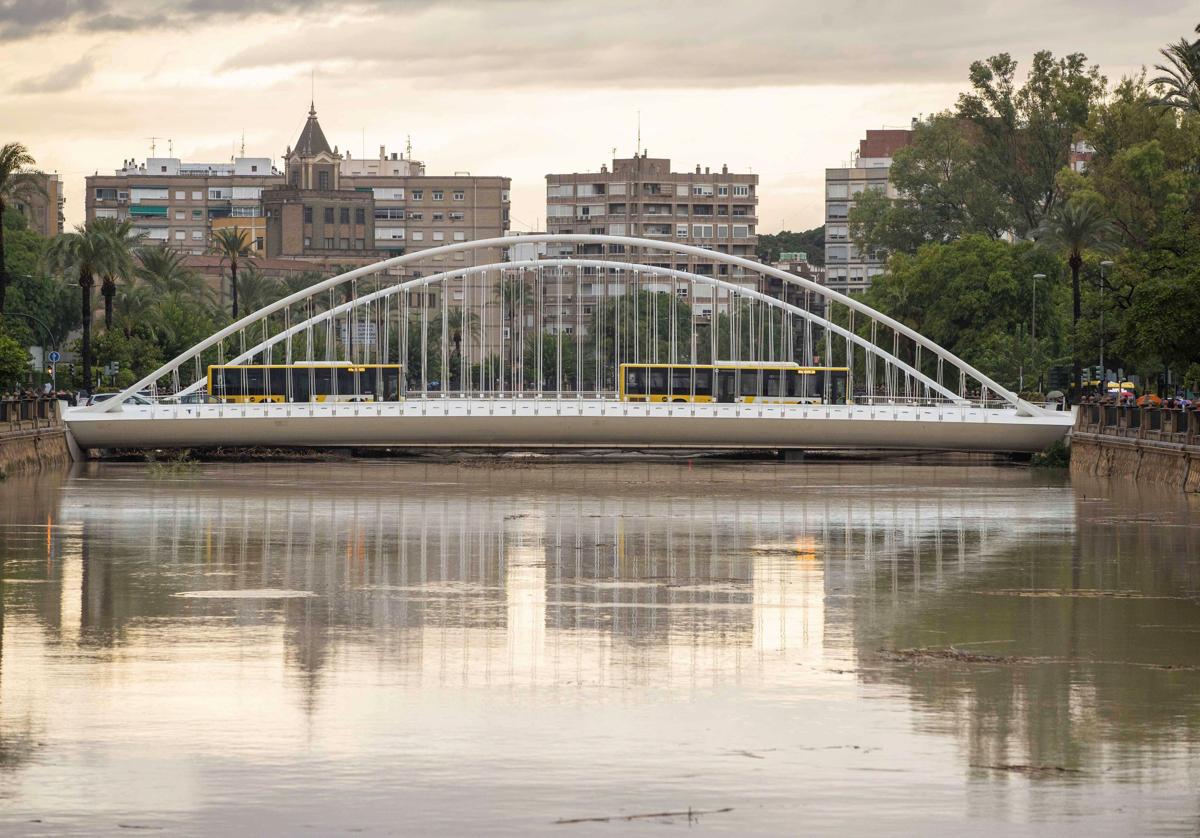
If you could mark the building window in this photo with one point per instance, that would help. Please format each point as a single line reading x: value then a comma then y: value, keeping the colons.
x: 460, y: 256
x: 307, y: 241
x: 416, y: 215
x: 439, y: 216
x: 438, y: 195
x: 179, y: 234
x: 741, y: 191
x: 837, y: 212
x: 180, y: 196
x: 722, y: 191
x: 329, y: 243
x: 308, y: 215
x: 388, y: 213
x: 359, y: 244
x: 439, y: 236
x: 197, y: 196
x: 418, y: 236
x: 722, y: 231
x: 459, y: 195
x: 328, y: 215
x: 460, y: 236
x: 702, y: 231
x: 702, y: 190
x: 741, y: 231
x: 344, y: 244
x: 179, y: 214
x: 456, y: 216
x: 360, y: 215
x: 837, y: 190
x: 681, y: 231
x: 197, y: 213
x: 198, y: 235
x: 344, y: 215
x: 322, y: 180
x: 418, y: 194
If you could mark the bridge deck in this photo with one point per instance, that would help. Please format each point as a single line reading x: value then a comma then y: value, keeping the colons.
x: 568, y: 422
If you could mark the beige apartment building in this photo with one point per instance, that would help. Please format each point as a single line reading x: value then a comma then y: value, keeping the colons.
x: 332, y: 207
x: 178, y: 204
x: 642, y: 197
x: 44, y: 210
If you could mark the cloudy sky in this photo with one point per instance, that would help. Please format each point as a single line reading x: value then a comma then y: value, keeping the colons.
x: 521, y: 88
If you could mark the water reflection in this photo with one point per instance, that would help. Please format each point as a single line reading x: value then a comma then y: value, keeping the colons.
x: 753, y: 590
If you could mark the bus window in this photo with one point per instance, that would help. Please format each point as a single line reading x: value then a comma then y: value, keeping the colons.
x: 658, y: 381
x: 771, y: 382
x: 301, y: 391
x: 704, y: 382
x: 278, y: 379
x: 750, y: 382
x: 681, y: 380
x: 726, y: 386
x: 635, y: 381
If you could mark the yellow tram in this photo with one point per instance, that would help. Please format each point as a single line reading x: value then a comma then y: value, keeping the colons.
x: 772, y: 382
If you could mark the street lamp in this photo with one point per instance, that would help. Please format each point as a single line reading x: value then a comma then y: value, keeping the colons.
x: 1104, y: 266
x: 1033, y: 329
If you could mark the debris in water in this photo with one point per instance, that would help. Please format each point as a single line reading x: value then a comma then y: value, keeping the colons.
x: 692, y: 816
x: 1031, y: 770
x: 249, y: 593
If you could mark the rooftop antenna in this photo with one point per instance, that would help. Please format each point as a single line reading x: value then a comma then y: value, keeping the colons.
x: 243, y: 142
x: 639, y: 134
x: 154, y: 145
x: 170, y: 148
x: 408, y: 145
x: 312, y: 89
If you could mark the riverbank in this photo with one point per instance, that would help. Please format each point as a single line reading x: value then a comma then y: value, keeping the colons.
x: 32, y: 436
x: 1144, y: 444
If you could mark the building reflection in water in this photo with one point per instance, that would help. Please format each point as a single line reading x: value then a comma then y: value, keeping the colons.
x: 670, y: 579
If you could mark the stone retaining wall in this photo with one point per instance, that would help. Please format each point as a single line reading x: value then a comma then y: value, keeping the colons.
x: 1142, y: 444
x: 32, y: 436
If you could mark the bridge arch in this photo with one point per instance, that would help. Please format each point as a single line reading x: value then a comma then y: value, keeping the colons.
x: 920, y: 376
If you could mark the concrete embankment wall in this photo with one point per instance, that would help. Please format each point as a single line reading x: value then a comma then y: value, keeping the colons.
x: 32, y: 436
x: 1142, y: 444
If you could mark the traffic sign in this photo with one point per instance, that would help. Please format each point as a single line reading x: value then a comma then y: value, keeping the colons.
x: 54, y: 357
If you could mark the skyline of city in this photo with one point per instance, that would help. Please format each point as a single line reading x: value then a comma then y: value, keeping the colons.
x: 519, y: 120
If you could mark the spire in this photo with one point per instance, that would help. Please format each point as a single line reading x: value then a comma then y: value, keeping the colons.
x: 312, y: 139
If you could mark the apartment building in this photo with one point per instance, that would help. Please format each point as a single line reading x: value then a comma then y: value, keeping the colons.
x: 178, y: 204
x: 642, y: 197
x: 334, y: 208
x: 44, y: 209
x: 848, y: 268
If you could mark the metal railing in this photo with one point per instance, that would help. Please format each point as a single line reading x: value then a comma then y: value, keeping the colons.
x: 1179, y: 426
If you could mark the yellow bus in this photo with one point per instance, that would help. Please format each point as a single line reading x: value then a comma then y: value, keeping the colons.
x: 728, y: 381
x: 311, y: 382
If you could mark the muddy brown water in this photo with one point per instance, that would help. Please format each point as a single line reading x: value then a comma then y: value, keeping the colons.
x: 597, y: 649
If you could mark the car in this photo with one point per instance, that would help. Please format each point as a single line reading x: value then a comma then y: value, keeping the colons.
x: 135, y: 398
x: 194, y: 398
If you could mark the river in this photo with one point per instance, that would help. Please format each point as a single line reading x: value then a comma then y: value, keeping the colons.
x: 597, y: 649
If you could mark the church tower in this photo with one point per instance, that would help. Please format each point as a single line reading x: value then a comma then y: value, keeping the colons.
x: 312, y: 164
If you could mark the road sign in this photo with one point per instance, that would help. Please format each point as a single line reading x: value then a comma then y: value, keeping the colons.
x: 54, y: 357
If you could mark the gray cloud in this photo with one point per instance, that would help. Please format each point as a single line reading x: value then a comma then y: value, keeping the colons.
x: 66, y: 77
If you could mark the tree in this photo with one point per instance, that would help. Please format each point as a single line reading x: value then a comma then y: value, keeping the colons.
x: 1070, y: 229
x: 233, y: 243
x: 1180, y: 79
x: 165, y: 271
x: 1024, y: 134
x: 257, y: 289
x: 974, y: 297
x: 16, y: 184
x: 810, y: 242
x: 85, y: 253
x: 941, y: 194
x: 14, y: 362
x: 121, y: 242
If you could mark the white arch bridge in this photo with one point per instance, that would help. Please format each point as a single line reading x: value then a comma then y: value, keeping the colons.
x: 681, y: 347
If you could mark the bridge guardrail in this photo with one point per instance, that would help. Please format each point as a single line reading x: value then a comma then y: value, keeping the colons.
x: 28, y: 414
x: 1175, y: 425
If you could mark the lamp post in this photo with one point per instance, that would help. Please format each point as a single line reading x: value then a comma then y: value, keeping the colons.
x: 1104, y: 266
x: 1033, y: 330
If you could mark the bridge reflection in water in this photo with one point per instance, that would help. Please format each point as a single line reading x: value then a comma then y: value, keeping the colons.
x: 511, y: 594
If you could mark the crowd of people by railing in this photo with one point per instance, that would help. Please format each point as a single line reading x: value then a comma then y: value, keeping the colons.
x: 1178, y: 401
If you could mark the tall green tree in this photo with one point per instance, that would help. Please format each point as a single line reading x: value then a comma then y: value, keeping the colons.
x: 1071, y: 229
x: 1024, y: 133
x: 1180, y: 80
x: 14, y: 362
x: 17, y: 183
x: 234, y: 244
x: 811, y: 242
x: 84, y: 253
x: 165, y: 271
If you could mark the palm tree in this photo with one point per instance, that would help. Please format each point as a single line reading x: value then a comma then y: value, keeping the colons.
x: 166, y: 272
x: 515, y: 296
x: 258, y: 289
x: 1180, y: 81
x: 1071, y: 229
x: 133, y: 307
x: 16, y: 184
x: 233, y: 243
x: 85, y: 252
x: 122, y: 240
